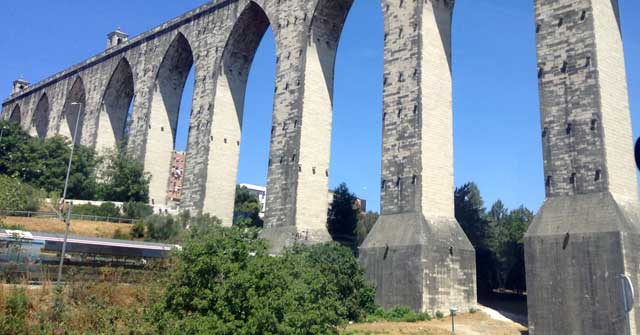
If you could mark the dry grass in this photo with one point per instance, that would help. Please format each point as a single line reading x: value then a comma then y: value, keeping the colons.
x: 469, y: 324
x: 89, y: 308
x: 83, y: 228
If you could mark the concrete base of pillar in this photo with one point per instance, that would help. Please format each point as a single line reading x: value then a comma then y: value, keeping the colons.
x: 426, y: 265
x: 280, y: 238
x: 576, y: 249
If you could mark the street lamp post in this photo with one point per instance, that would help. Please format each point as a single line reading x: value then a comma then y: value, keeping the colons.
x: 453, y: 311
x: 64, y: 193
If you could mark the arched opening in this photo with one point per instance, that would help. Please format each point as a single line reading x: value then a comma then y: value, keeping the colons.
x: 15, y: 116
x: 356, y: 148
x: 40, y: 118
x: 115, y: 108
x: 72, y: 112
x: 165, y: 110
x: 229, y: 110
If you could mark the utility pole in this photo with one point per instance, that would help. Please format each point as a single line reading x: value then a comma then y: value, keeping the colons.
x: 64, y: 193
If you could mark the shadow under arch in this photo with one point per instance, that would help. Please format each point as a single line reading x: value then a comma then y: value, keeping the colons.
x: 72, y: 111
x: 40, y: 119
x: 165, y: 108
x: 115, y: 106
x: 231, y: 86
x: 15, y: 116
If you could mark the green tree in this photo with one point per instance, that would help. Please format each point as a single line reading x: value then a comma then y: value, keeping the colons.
x: 471, y: 214
x: 225, y: 283
x: 343, y: 217
x: 43, y: 163
x: 18, y: 196
x: 247, y: 209
x: 123, y: 179
x: 507, y: 244
x: 366, y: 222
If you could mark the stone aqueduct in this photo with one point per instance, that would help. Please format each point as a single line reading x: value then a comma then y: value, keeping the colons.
x: 417, y: 255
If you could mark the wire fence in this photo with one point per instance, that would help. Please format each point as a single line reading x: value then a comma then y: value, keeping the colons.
x: 54, y: 215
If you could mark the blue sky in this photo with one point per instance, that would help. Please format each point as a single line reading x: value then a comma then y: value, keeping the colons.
x: 496, y: 116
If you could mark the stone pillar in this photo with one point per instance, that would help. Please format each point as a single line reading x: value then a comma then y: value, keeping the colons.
x: 587, y: 232
x: 417, y: 254
x: 298, y: 180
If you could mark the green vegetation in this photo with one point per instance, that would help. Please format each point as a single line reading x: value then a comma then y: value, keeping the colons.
x: 136, y: 210
x: 14, y: 318
x: 398, y: 314
x: 247, y: 209
x: 225, y: 283
x: 343, y: 217
x: 106, y: 209
x: 122, y: 179
x: 43, y: 165
x: 18, y: 196
x: 498, y: 236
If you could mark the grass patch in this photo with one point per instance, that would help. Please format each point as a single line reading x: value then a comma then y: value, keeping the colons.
x: 398, y: 314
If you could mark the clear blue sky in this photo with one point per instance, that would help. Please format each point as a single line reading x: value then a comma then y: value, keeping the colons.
x: 497, y: 135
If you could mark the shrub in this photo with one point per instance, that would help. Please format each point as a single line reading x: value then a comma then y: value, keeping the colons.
x: 18, y: 196
x: 14, y: 318
x: 439, y: 315
x: 137, y: 210
x: 162, y: 228
x: 137, y: 231
x: 226, y: 283
x: 106, y: 209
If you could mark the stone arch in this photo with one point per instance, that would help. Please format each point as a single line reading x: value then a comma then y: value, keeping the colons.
x: 15, y: 116
x: 115, y: 106
x: 71, y: 111
x: 40, y: 118
x: 163, y: 119
x: 238, y: 54
x: 240, y: 49
x: 324, y: 32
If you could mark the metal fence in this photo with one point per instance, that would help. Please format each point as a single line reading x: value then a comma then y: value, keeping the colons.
x: 54, y: 215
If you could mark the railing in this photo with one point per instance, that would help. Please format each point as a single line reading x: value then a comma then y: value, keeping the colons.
x: 54, y: 215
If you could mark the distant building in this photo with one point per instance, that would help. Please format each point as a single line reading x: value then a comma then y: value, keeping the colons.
x: 175, y: 179
x: 261, y: 193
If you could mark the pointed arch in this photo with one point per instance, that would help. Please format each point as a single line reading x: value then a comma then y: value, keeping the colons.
x: 15, y: 116
x: 231, y: 85
x: 165, y: 107
x: 40, y: 118
x: 72, y: 111
x: 238, y: 54
x: 115, y: 107
x: 325, y: 31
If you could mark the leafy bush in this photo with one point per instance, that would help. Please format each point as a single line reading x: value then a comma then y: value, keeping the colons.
x: 225, y: 283
x: 137, y: 210
x: 18, y: 196
x: 138, y: 230
x: 106, y: 209
x: 162, y: 228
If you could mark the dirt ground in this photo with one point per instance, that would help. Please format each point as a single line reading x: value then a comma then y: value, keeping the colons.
x: 82, y: 228
x: 469, y: 324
